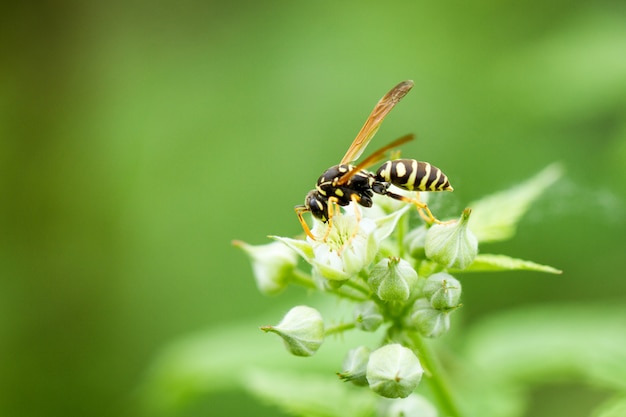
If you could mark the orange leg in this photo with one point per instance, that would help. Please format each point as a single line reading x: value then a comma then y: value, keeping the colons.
x: 331, y: 213
x: 299, y: 211
x: 357, y: 215
x: 422, y: 208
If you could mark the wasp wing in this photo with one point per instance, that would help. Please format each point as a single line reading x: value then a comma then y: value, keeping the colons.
x: 369, y: 129
x: 374, y: 158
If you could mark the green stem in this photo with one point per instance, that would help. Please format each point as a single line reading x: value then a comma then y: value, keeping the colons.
x: 302, y: 278
x: 401, y: 229
x: 350, y: 295
x: 358, y: 287
x: 339, y: 328
x: 436, y: 376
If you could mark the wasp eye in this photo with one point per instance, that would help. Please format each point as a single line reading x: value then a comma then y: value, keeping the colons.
x: 317, y: 205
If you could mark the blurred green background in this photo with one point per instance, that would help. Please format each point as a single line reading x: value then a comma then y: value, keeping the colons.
x: 137, y: 139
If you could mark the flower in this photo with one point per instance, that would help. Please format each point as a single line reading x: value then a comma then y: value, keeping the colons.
x: 429, y: 321
x: 351, y: 245
x: 392, y: 279
x: 393, y: 371
x: 413, y: 405
x: 452, y: 245
x: 302, y: 330
x: 355, y: 366
x: 442, y: 290
x: 414, y: 242
x: 368, y: 316
x: 272, y: 265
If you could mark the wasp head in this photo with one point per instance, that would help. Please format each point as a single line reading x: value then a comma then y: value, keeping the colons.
x: 317, y: 204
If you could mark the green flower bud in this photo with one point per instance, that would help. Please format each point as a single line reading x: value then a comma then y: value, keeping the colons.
x: 413, y: 405
x: 452, y: 245
x: 393, y: 371
x: 414, y: 242
x: 392, y: 279
x: 355, y: 366
x: 302, y: 330
x: 272, y: 265
x: 429, y: 321
x: 442, y: 290
x: 367, y: 316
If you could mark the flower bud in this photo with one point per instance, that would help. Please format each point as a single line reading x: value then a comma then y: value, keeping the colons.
x: 442, y: 290
x: 413, y: 405
x: 392, y: 279
x: 414, y: 242
x: 272, y: 265
x: 428, y: 321
x: 393, y: 371
x: 367, y: 316
x: 302, y: 330
x: 452, y: 245
x: 355, y: 366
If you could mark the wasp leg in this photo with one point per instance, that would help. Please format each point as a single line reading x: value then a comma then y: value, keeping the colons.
x: 422, y: 208
x: 299, y: 211
x: 331, y: 213
x: 357, y: 215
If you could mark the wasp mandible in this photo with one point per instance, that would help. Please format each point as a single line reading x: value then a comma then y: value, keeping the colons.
x: 346, y: 183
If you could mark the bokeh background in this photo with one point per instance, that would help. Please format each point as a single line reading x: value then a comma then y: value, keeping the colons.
x: 137, y: 139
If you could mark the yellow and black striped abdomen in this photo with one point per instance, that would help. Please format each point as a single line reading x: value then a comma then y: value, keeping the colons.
x: 413, y: 175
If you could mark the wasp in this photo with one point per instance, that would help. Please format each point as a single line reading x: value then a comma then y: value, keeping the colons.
x: 347, y: 183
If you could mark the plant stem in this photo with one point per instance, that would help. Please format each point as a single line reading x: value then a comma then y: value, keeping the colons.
x: 302, y: 278
x: 436, y: 376
x: 401, y: 228
x: 357, y: 286
x: 339, y: 328
x: 345, y: 292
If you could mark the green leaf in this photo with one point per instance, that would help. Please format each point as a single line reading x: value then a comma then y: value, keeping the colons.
x: 509, y: 354
x: 488, y: 262
x: 311, y: 395
x: 616, y: 407
x: 495, y: 217
x: 538, y: 345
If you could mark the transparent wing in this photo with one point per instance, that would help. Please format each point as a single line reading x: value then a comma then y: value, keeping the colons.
x: 369, y: 129
x: 374, y: 158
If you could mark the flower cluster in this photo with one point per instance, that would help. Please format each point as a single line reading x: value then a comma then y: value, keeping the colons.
x: 400, y: 276
x: 395, y: 278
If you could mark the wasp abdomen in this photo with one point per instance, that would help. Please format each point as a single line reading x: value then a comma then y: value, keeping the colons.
x: 413, y: 175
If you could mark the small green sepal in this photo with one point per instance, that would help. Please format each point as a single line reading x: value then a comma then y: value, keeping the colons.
x: 429, y: 321
x: 367, y: 316
x: 442, y: 290
x: 415, y: 240
x: 355, y: 366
